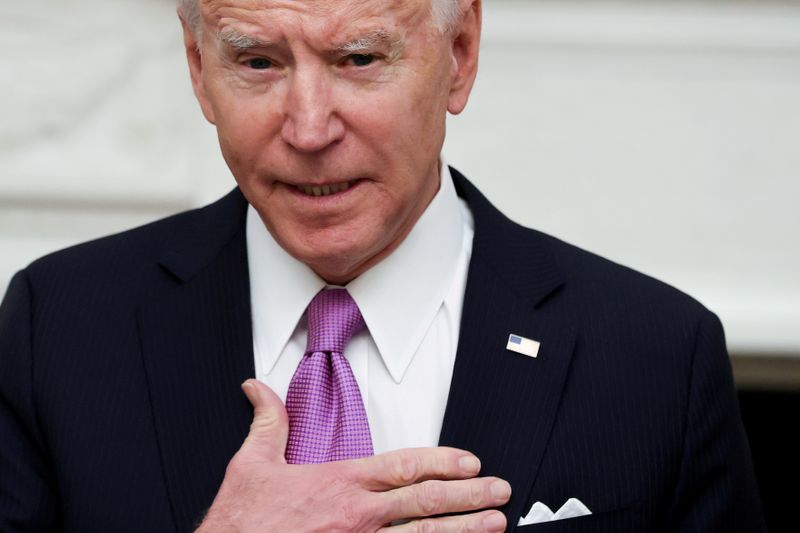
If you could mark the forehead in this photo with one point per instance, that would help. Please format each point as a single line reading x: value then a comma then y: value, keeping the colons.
x: 316, y: 17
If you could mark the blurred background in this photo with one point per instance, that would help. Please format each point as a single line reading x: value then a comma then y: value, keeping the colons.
x: 664, y: 135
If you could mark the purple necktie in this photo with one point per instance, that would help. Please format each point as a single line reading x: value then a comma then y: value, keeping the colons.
x: 327, y: 420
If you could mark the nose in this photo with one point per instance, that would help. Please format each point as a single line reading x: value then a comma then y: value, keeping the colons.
x: 311, y: 123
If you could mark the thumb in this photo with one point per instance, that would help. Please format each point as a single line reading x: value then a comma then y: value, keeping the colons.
x: 270, y: 428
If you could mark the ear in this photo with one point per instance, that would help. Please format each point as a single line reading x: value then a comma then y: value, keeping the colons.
x: 195, y: 59
x: 466, y: 44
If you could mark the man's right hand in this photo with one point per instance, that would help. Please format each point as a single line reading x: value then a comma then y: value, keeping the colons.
x: 261, y: 492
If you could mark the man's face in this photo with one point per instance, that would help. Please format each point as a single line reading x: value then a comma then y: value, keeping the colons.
x: 331, y: 116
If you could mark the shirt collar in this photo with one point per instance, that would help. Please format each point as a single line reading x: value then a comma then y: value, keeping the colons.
x: 281, y: 288
x: 398, y: 297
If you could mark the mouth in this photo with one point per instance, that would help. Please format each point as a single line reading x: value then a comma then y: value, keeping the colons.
x: 325, y: 190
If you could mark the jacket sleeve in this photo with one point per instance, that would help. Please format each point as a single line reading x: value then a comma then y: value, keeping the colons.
x: 27, y: 494
x: 716, y: 489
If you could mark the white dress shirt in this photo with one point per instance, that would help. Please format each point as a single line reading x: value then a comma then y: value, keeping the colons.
x: 411, y: 302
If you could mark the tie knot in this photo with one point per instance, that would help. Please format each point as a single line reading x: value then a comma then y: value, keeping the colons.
x: 333, y: 318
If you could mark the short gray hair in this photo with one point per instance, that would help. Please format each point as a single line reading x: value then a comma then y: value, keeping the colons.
x: 445, y: 14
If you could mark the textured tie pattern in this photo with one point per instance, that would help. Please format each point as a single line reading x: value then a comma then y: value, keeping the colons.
x: 327, y: 420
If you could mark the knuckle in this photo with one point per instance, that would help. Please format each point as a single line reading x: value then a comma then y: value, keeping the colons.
x: 355, y: 513
x: 471, y: 524
x: 337, y: 475
x: 431, y: 497
x: 350, y: 516
x: 405, y: 468
x: 439, y: 464
x: 265, y: 421
x: 477, y: 495
x: 236, y: 467
x: 426, y: 525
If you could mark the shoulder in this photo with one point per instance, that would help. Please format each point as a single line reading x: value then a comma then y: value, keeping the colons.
x: 637, y: 322
x: 598, y: 277
x: 587, y: 285
x: 611, y: 300
x: 128, y: 258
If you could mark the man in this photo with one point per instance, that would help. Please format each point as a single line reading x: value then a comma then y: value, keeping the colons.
x: 566, y: 391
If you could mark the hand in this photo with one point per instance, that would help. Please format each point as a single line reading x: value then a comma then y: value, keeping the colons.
x: 260, y: 492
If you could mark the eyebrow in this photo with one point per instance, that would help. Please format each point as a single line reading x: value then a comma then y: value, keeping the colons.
x: 239, y: 41
x: 369, y: 41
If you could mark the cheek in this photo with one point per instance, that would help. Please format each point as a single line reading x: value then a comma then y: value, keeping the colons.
x: 245, y: 127
x: 400, y: 122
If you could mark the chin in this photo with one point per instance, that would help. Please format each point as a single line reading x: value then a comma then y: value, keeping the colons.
x: 336, y: 265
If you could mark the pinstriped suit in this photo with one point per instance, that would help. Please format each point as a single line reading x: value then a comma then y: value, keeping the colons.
x: 121, y: 359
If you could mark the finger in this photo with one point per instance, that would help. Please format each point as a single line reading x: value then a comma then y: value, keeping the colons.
x: 437, y: 497
x: 485, y: 521
x: 412, y: 465
x: 270, y: 428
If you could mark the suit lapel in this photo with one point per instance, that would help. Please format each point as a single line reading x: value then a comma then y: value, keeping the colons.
x: 502, y: 405
x: 197, y: 349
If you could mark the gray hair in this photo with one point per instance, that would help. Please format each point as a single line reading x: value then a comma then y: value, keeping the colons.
x: 445, y: 14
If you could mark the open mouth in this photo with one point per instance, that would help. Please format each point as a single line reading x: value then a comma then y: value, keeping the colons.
x: 325, y: 190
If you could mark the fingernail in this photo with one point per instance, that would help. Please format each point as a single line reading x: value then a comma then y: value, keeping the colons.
x: 248, y: 389
x: 500, y: 489
x: 494, y: 522
x: 470, y: 464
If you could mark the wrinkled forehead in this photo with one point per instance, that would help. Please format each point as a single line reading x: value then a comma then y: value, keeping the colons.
x: 319, y: 14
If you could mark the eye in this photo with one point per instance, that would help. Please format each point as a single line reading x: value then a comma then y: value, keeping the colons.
x: 259, y: 63
x: 361, y: 60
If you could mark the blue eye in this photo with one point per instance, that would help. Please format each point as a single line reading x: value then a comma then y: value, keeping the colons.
x: 362, y: 60
x: 259, y: 63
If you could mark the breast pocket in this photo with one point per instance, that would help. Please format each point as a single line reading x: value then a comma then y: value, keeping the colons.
x: 626, y: 520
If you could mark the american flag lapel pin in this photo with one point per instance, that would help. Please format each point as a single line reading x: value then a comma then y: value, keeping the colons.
x: 519, y: 344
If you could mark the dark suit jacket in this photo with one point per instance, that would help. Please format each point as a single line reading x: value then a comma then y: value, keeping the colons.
x: 121, y: 361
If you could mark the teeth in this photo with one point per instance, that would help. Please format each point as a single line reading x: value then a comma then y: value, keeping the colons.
x: 324, y: 190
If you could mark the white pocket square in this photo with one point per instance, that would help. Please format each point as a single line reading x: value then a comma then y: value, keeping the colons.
x: 541, y: 513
